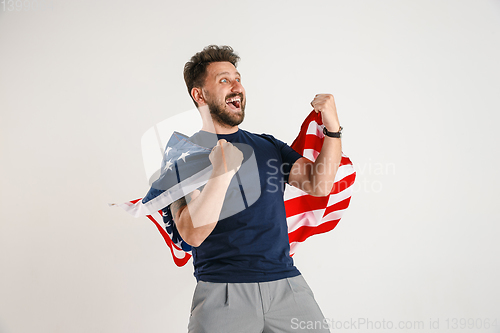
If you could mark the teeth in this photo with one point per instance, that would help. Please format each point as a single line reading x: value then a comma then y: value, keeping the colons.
x: 233, y: 99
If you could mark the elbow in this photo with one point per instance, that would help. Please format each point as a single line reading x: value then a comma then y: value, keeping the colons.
x: 319, y: 194
x: 186, y: 229
x: 322, y: 189
x: 194, y: 241
x: 190, y: 236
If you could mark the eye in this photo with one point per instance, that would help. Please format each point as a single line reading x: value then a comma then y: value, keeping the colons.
x: 238, y: 79
x: 223, y: 81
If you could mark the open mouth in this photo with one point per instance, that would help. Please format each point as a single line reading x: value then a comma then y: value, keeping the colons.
x: 234, y: 102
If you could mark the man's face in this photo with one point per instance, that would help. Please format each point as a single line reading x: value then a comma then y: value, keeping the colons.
x: 224, y: 94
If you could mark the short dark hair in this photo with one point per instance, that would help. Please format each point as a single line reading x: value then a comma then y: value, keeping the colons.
x: 195, y: 70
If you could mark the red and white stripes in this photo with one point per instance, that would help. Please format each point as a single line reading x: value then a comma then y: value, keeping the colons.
x: 308, y: 215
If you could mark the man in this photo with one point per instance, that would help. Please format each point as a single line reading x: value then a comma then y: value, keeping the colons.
x: 246, y: 279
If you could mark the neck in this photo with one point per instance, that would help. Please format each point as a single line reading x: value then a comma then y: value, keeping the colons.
x: 213, y: 126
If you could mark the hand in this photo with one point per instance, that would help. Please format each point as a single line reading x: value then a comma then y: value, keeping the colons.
x: 325, y: 103
x: 225, y: 159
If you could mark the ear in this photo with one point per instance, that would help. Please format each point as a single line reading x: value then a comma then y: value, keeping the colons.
x: 197, y: 95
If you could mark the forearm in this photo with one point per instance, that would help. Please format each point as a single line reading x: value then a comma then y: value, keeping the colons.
x: 325, y: 167
x: 198, y: 218
x: 327, y: 163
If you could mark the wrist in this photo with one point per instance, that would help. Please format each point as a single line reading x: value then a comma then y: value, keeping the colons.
x: 333, y: 134
x: 223, y: 178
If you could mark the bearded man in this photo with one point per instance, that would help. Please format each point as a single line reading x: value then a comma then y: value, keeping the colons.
x: 246, y: 279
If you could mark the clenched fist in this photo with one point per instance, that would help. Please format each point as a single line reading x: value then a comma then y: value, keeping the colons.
x: 325, y: 103
x: 225, y: 159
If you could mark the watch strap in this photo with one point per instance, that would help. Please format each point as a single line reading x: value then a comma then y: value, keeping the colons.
x: 333, y: 134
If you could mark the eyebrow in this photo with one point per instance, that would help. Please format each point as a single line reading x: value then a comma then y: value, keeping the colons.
x: 227, y: 73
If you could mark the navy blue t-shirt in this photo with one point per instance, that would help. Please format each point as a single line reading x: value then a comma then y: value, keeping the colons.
x: 251, y: 245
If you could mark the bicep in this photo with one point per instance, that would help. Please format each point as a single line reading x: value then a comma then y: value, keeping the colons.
x: 300, y: 175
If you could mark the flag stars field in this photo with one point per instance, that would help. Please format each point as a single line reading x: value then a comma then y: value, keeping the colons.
x: 168, y: 165
x: 183, y: 156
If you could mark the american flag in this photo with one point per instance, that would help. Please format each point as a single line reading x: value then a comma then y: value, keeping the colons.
x: 306, y: 215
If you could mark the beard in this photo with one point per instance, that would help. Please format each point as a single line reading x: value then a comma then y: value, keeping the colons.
x: 226, y: 118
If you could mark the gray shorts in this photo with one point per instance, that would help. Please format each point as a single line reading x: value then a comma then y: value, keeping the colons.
x: 286, y: 305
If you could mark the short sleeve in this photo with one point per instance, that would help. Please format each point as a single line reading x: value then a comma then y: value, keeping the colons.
x: 288, y: 155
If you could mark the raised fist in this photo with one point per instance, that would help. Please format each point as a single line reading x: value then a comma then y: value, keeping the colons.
x: 225, y: 159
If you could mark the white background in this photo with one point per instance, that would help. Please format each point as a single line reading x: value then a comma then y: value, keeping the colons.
x: 417, y: 88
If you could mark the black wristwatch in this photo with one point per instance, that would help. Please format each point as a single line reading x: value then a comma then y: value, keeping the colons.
x: 333, y: 134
